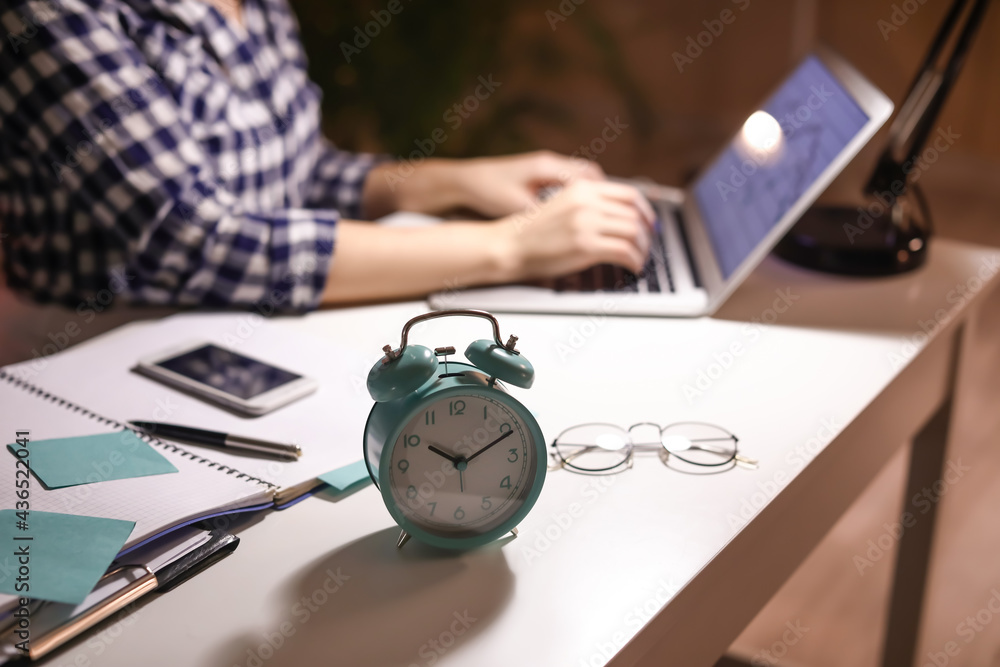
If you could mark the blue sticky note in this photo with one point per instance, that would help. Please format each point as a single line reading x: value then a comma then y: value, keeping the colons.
x: 57, y: 557
x: 88, y: 459
x: 347, y: 478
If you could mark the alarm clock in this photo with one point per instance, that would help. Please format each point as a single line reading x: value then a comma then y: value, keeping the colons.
x: 458, y: 461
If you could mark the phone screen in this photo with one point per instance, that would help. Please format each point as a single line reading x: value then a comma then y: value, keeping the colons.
x: 229, y: 372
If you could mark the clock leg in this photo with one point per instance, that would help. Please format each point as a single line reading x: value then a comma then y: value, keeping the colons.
x: 403, y: 539
x: 513, y: 531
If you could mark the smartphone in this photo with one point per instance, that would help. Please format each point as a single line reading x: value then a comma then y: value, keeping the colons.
x: 221, y: 376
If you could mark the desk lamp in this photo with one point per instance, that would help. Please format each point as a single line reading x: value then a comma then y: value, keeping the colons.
x: 890, y: 233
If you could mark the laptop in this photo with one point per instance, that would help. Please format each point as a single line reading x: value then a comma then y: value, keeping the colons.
x: 713, y: 233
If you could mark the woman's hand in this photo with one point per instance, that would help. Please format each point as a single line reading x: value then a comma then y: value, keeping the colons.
x: 491, y: 187
x: 496, y: 187
x: 587, y: 223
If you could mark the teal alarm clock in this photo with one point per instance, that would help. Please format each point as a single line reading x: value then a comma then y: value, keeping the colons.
x: 458, y: 461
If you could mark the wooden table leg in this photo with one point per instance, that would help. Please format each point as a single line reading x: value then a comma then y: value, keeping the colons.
x: 927, y: 467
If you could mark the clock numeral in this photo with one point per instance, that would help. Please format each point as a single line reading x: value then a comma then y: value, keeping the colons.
x: 433, y: 507
x: 487, y: 503
x: 459, y: 513
x: 403, y: 465
x: 456, y: 408
x: 513, y: 456
x: 411, y: 440
x: 429, y: 417
x: 411, y: 492
x: 485, y: 416
x: 505, y: 482
x: 504, y: 430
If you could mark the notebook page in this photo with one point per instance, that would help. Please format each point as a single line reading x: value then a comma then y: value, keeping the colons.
x: 155, y: 503
x: 327, y: 425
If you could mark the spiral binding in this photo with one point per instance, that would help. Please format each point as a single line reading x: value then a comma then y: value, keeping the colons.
x: 150, y: 439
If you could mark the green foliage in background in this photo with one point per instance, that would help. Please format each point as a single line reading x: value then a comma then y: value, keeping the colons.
x: 395, y: 89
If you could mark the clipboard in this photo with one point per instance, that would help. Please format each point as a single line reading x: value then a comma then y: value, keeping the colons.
x: 62, y: 624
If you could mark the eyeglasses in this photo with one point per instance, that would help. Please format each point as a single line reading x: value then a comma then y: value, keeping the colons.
x: 604, y: 449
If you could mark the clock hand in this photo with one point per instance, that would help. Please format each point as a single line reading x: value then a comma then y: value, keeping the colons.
x: 506, y: 433
x: 460, y: 463
x: 453, y: 459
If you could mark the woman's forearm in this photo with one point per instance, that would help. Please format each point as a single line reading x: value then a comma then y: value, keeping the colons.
x: 374, y: 263
x: 586, y: 223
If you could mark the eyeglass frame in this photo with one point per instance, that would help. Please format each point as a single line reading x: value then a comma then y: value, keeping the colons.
x: 632, y: 446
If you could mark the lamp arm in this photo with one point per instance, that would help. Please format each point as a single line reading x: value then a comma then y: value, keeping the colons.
x: 927, y: 94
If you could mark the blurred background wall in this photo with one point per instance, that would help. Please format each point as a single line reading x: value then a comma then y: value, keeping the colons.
x: 564, y: 68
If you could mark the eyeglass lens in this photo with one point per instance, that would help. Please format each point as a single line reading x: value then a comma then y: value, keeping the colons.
x: 593, y: 447
x: 606, y: 447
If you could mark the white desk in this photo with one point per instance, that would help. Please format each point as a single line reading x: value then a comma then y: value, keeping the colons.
x: 647, y: 567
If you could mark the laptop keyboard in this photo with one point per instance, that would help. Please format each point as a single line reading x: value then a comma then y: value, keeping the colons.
x: 654, y: 278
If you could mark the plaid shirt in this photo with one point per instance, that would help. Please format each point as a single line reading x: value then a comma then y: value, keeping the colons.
x: 155, y: 149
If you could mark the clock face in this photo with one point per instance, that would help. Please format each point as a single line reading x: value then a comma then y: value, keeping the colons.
x: 462, y: 465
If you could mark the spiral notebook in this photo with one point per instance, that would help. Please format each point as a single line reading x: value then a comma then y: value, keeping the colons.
x: 327, y: 425
x: 159, y: 503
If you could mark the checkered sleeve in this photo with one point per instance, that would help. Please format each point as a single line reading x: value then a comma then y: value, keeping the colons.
x: 339, y: 178
x: 138, y: 174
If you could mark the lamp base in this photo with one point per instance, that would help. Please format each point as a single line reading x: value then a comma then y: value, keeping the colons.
x: 850, y: 241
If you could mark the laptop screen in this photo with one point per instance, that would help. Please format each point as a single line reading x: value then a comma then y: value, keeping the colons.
x: 780, y: 151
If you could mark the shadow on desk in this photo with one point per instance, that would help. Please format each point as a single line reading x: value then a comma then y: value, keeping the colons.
x: 369, y: 604
x: 780, y: 293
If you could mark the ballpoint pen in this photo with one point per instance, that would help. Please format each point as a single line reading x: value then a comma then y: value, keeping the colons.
x: 217, y: 439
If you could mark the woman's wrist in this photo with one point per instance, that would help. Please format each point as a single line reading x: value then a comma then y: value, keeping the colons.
x: 507, y: 259
x: 433, y: 187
